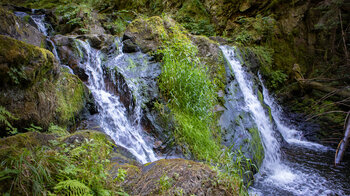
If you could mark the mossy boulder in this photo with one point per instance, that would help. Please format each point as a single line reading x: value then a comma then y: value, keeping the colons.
x: 12, y: 145
x: 173, y: 177
x: 148, y: 33
x: 13, y: 26
x: 34, y: 89
x: 24, y: 64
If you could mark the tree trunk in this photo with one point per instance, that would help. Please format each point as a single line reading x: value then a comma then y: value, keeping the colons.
x: 343, y: 144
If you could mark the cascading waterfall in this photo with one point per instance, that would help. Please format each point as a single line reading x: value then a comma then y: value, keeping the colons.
x: 112, y: 113
x: 39, y: 21
x: 277, y: 176
x: 271, y: 146
x: 288, y: 131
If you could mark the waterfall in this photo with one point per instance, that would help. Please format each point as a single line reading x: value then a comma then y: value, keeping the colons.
x: 271, y: 146
x: 41, y: 25
x: 112, y: 113
x: 289, y: 132
x: 277, y: 175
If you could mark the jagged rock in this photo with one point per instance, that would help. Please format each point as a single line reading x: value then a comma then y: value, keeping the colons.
x: 129, y: 46
x: 14, y: 27
x: 97, y: 41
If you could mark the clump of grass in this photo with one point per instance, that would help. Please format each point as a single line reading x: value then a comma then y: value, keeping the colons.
x: 185, y: 84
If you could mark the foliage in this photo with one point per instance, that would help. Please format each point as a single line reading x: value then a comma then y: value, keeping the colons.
x: 274, y: 77
x: 190, y: 93
x: 254, y: 30
x: 17, y: 74
x: 30, y: 172
x: 5, y: 118
x: 33, y: 128
x: 184, y: 81
x: 235, y: 170
x: 76, y: 13
x: 165, y: 183
x: 55, y: 129
x: 64, y: 168
x: 120, y: 175
x: 194, y: 134
x: 72, y: 187
x: 195, y: 18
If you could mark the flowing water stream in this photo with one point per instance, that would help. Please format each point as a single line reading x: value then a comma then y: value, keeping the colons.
x: 297, y: 167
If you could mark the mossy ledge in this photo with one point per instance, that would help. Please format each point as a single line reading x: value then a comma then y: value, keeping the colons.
x: 35, y: 90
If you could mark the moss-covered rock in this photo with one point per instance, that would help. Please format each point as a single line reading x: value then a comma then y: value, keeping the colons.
x: 174, y: 177
x: 34, y: 90
x: 24, y: 64
x: 12, y: 26
x: 148, y: 33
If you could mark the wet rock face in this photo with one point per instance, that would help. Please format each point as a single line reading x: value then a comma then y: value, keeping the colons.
x: 129, y: 46
x: 238, y: 126
x: 11, y: 25
x: 71, y: 55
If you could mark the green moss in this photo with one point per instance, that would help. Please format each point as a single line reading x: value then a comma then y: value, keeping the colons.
x: 256, y: 146
x: 34, y: 61
x: 261, y: 99
x: 71, y: 97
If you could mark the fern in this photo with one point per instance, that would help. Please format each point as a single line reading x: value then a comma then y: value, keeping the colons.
x: 5, y: 116
x: 72, y: 188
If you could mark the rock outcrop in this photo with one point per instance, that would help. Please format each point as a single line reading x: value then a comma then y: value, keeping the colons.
x: 11, y: 25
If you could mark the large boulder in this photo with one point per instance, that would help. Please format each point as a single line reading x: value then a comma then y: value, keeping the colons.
x: 34, y: 90
x: 174, y: 177
x: 13, y: 26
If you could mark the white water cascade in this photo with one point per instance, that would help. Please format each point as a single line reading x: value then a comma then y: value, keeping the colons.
x: 112, y: 113
x: 277, y: 176
x: 39, y: 21
x: 288, y: 131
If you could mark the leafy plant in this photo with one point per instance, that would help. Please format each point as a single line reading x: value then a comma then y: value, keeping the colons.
x: 120, y: 175
x: 165, y: 183
x: 72, y: 187
x: 5, y: 117
x: 33, y: 128
x: 17, y: 74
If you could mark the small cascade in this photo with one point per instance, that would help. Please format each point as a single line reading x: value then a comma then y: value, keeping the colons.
x: 271, y: 145
x: 289, y: 132
x: 41, y: 25
x: 278, y: 175
x: 112, y: 113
